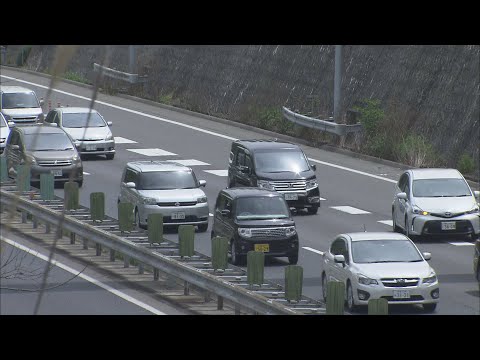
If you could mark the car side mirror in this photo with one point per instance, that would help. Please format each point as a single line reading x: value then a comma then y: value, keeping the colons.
x: 402, y: 196
x: 10, y: 124
x: 427, y: 255
x: 130, y: 185
x: 314, y: 167
x: 109, y: 123
x: 202, y: 183
x: 225, y: 212
x: 339, y: 259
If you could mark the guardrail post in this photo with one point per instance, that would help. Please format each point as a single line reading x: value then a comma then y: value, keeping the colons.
x: 35, y: 222
x: 112, y: 255
x: 186, y: 288
x: 335, y: 298
x: 125, y: 217
x: 98, y: 249
x: 24, y: 217
x: 293, y: 282
x: 47, y: 185
x: 156, y: 274
x: 237, y: 309
x: 219, y: 302
x: 72, y: 238
x: 219, y: 253
x: 186, y: 236
x: 255, y: 267
x: 140, y: 268
x: 126, y: 261
x: 23, y: 178
x: 47, y: 228
x: 378, y: 307
x: 71, y: 195
x: 85, y: 244
x: 155, y: 228
x: 3, y: 169
x: 97, y: 206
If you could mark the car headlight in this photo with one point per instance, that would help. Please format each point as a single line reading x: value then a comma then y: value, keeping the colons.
x: 245, y: 232
x: 312, y: 184
x: 149, y: 201
x: 265, y: 185
x: 431, y: 279
x: 109, y: 137
x: 202, y: 199
x: 473, y: 211
x: 7, y: 117
x: 417, y: 210
x: 364, y: 280
x: 290, y: 231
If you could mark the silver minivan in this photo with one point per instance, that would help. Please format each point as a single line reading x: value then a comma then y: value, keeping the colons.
x: 164, y: 187
x: 20, y: 105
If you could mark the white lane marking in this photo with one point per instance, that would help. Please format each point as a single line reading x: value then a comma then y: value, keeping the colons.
x: 190, y: 127
x: 350, y: 210
x: 152, y: 152
x: 386, y: 222
x: 125, y: 109
x: 122, y: 140
x: 189, y: 162
x: 461, y: 243
x: 322, y: 199
x: 210, y: 214
x: 313, y: 250
x: 85, y: 277
x: 85, y: 173
x: 217, y: 172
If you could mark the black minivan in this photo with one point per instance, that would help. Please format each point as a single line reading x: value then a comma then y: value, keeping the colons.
x: 255, y: 219
x: 275, y: 165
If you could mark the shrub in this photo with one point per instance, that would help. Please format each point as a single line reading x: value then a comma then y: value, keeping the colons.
x: 465, y: 164
x: 23, y: 55
x: 415, y: 151
x: 71, y: 75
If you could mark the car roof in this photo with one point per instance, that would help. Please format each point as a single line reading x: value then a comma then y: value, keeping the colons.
x: 258, y: 144
x: 39, y: 129
x: 157, y: 165
x: 238, y: 192
x: 374, y: 235
x: 75, y: 110
x: 435, y: 173
x: 14, y: 89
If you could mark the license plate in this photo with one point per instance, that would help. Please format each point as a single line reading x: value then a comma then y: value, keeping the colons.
x: 178, y: 216
x: 291, y: 197
x: 262, y: 247
x: 401, y: 294
x: 91, y: 147
x: 448, y: 225
x: 56, y: 172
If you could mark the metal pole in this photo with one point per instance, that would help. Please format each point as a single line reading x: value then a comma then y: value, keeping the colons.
x: 131, y: 64
x: 337, y: 95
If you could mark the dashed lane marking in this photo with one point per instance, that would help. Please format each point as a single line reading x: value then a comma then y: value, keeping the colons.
x: 312, y: 250
x: 152, y: 152
x: 217, y: 172
x: 350, y: 210
x: 386, y: 222
x: 189, y: 162
x: 122, y: 140
x: 85, y: 173
x: 462, y: 243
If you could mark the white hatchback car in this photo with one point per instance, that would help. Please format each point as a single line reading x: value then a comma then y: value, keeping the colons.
x: 375, y: 265
x: 435, y: 202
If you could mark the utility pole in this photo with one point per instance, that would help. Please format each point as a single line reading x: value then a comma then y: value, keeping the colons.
x: 337, y: 94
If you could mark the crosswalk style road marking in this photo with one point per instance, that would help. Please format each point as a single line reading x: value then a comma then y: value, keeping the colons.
x: 350, y: 210
x: 386, y: 222
x: 462, y: 243
x: 122, y: 140
x: 152, y: 152
x: 189, y: 162
x: 217, y: 172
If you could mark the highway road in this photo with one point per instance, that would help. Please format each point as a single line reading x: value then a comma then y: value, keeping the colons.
x: 356, y: 194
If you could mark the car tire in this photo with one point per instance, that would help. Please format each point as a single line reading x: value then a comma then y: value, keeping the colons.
x: 203, y: 227
x: 80, y: 183
x: 137, y: 219
x: 235, y: 258
x: 429, y: 307
x: 396, y: 228
x: 324, y: 286
x: 350, y: 299
x: 312, y: 210
x: 110, y: 156
x: 293, y: 259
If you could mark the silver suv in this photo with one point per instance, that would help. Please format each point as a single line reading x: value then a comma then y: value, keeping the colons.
x: 167, y: 188
x: 20, y: 105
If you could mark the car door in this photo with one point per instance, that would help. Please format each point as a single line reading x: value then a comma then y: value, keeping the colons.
x: 400, y: 204
x: 128, y: 194
x: 330, y: 267
x: 241, y: 178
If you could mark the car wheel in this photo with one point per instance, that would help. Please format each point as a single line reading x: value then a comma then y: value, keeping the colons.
x: 293, y: 259
x: 396, y: 228
x: 203, y: 227
x: 80, y: 183
x: 350, y: 299
x: 110, y: 156
x: 235, y: 257
x: 324, y: 286
x: 429, y: 307
x: 313, y: 210
x: 137, y: 219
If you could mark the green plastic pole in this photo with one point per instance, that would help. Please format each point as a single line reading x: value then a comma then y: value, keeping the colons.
x: 23, y: 178
x: 71, y: 195
x: 97, y: 206
x: 125, y: 216
x: 186, y: 236
x: 219, y: 253
x: 255, y: 267
x: 293, y: 282
x: 47, y: 186
x: 378, y: 307
x: 155, y: 228
x: 335, y: 298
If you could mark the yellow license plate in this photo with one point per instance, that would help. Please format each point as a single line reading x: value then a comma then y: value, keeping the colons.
x: 262, y: 247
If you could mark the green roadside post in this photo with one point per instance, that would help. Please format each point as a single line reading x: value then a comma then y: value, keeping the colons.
x: 219, y: 253
x: 293, y: 282
x: 97, y: 206
x: 255, y: 267
x: 186, y: 236
x: 155, y: 228
x: 378, y: 307
x: 47, y: 186
x: 3, y: 169
x: 23, y: 178
x: 71, y: 195
x: 335, y: 298
x: 125, y: 217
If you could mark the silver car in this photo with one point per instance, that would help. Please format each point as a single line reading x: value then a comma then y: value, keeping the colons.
x: 167, y: 188
x: 4, y: 131
x: 90, y: 131
x: 20, y: 105
x: 435, y: 202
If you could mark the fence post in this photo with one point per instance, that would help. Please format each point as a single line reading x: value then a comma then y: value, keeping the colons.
x: 186, y: 236
x: 97, y: 206
x: 255, y: 267
x: 335, y: 298
x: 293, y: 282
x: 71, y: 195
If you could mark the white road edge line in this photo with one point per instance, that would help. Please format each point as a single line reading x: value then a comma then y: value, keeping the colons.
x: 313, y: 250
x: 85, y: 277
x: 190, y: 127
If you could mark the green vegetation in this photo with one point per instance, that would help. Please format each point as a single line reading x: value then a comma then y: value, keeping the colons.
x: 415, y: 150
x: 465, y: 164
x: 74, y: 76
x: 23, y: 55
x: 166, y: 99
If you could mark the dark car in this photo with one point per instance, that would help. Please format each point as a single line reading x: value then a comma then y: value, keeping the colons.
x: 255, y: 219
x: 275, y: 165
x: 47, y: 150
x: 476, y: 260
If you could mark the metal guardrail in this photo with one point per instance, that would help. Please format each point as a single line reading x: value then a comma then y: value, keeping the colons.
x: 131, y: 78
x: 196, y: 270
x: 323, y: 125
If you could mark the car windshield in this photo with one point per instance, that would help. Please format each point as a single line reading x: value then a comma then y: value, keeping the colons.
x: 384, y: 251
x: 264, y: 207
x: 440, y: 188
x: 167, y: 180
x: 19, y: 101
x: 280, y: 161
x: 46, y: 142
x: 81, y: 120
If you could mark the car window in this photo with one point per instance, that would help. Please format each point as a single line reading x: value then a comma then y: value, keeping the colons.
x: 220, y: 204
x: 264, y: 207
x: 130, y: 176
x: 339, y: 247
x: 3, y: 123
x: 82, y: 120
x: 167, y: 180
x: 248, y: 161
x: 402, y: 182
x: 230, y: 159
x: 47, y: 142
x: 379, y: 251
x: 19, y: 100
x: 49, y: 118
x: 240, y: 161
x: 281, y: 160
